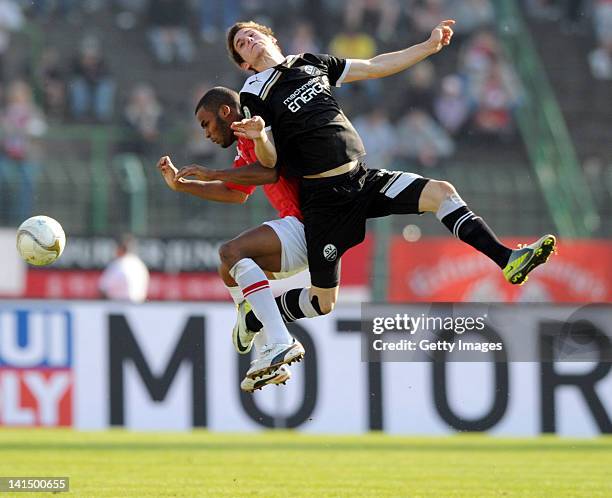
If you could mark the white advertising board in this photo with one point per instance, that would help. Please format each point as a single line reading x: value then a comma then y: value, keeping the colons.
x: 171, y: 366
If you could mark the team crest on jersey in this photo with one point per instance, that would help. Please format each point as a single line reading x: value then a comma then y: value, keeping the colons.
x: 246, y: 111
x: 330, y: 253
x: 313, y: 71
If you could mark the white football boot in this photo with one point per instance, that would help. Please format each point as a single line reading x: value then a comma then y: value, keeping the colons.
x: 279, y: 376
x: 273, y: 356
x: 242, y: 337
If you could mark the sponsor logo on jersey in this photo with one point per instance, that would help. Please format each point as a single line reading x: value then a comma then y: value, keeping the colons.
x: 306, y: 93
x: 330, y: 253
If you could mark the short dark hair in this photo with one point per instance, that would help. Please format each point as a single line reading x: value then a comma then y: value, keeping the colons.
x: 218, y: 96
x: 231, y: 34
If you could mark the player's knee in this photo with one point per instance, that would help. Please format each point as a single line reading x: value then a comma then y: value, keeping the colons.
x: 230, y: 253
x: 323, y: 306
x: 444, y: 190
x: 225, y: 275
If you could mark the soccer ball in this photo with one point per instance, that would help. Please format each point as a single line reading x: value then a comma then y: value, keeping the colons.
x: 40, y: 240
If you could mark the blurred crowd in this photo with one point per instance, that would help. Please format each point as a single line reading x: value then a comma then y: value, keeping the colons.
x: 420, y: 117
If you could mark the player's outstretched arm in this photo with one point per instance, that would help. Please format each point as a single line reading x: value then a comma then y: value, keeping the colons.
x: 254, y: 128
x: 207, y: 190
x: 394, y: 62
x: 251, y: 174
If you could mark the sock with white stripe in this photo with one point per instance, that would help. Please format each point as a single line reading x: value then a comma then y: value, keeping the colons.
x: 472, y: 230
x: 256, y: 290
x: 293, y: 305
x: 236, y: 293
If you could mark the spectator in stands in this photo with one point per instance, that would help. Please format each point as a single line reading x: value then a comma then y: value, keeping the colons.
x: 169, y: 33
x: 303, y: 39
x: 479, y: 53
x: 216, y: 16
x: 420, y: 91
x: 376, y: 17
x: 11, y: 19
x: 199, y: 151
x: 92, y: 88
x: 421, y: 139
x: 143, y: 115
x: 496, y: 94
x: 51, y: 79
x: 126, y: 278
x: 426, y: 12
x: 22, y: 122
x: 352, y: 44
x: 379, y: 137
x: 452, y: 106
x: 471, y: 15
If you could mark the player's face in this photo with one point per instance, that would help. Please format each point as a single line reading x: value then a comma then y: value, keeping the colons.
x: 252, y: 44
x: 215, y: 127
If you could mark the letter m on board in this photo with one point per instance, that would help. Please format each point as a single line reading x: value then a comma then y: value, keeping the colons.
x: 123, y: 347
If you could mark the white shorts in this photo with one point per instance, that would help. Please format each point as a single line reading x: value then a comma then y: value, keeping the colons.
x: 294, y: 257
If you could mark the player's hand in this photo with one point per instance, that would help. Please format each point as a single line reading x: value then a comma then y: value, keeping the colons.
x: 168, y: 171
x: 441, y: 35
x: 196, y: 171
x: 252, y: 128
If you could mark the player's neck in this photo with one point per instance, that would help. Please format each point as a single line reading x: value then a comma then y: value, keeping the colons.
x: 269, y: 60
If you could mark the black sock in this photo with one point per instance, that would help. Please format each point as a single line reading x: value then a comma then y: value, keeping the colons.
x: 290, y: 309
x: 472, y: 230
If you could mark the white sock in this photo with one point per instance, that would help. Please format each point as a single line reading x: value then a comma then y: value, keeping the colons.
x: 236, y: 293
x: 256, y: 290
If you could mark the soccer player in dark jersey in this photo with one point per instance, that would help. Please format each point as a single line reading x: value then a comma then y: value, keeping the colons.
x: 317, y: 143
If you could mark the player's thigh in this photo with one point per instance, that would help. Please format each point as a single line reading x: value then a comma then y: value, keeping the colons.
x: 294, y: 254
x: 325, y: 297
x: 399, y: 193
x: 260, y: 244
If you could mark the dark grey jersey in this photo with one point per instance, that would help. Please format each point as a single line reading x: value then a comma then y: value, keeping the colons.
x: 311, y: 133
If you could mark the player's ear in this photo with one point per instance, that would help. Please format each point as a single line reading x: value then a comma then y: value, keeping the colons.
x: 224, y: 111
x: 246, y: 66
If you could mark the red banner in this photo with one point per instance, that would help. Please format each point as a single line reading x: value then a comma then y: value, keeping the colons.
x: 443, y: 269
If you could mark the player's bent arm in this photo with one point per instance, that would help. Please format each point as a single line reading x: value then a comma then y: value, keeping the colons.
x: 394, y: 62
x: 265, y: 151
x: 212, y: 191
x: 251, y: 174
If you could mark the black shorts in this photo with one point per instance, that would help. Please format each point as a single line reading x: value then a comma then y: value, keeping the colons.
x: 335, y: 211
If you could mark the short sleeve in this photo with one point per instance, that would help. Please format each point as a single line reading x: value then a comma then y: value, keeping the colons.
x: 336, y: 67
x: 252, y: 105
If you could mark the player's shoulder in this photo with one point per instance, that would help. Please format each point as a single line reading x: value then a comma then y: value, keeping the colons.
x: 255, y: 83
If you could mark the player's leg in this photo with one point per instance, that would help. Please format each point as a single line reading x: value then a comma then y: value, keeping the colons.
x: 441, y: 198
x: 237, y: 255
x: 407, y: 193
x: 261, y: 243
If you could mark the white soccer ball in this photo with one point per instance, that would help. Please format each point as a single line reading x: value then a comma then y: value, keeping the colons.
x: 40, y: 240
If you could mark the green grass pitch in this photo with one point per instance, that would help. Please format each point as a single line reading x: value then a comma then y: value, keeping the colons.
x: 270, y: 464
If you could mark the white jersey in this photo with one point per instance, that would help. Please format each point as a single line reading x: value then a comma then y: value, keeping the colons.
x: 126, y: 279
